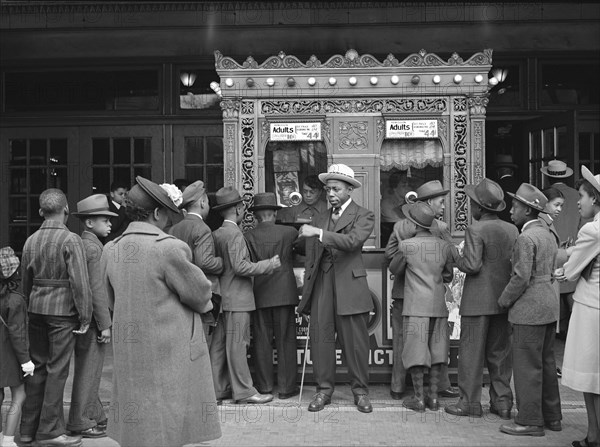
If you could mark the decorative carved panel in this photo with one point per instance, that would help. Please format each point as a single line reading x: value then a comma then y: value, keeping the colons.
x: 478, y: 104
x: 353, y: 136
x: 324, y: 106
x: 460, y: 104
x: 460, y: 172
x: 229, y: 149
x: 247, y: 107
x: 477, y: 151
x: 247, y: 167
x: 380, y: 128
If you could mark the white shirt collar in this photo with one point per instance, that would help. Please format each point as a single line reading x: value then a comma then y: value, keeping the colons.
x: 345, y: 205
x: 195, y: 214
x: 231, y: 221
x: 117, y: 205
x: 527, y: 224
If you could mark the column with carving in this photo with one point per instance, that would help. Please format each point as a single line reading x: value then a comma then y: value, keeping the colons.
x: 460, y: 174
x: 477, y: 109
x: 248, y: 165
x: 231, y: 141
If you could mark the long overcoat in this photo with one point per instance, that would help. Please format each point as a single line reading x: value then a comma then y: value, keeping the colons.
x: 163, y: 393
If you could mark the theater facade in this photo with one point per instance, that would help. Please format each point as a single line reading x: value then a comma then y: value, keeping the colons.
x: 259, y: 95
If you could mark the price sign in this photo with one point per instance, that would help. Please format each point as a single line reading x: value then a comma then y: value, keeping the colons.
x: 295, y: 131
x: 411, y: 129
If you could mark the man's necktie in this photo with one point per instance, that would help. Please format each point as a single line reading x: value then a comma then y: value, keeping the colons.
x: 335, y: 215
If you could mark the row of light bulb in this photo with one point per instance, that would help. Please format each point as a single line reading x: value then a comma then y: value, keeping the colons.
x: 374, y: 80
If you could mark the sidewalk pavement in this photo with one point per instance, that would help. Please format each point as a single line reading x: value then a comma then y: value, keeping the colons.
x: 283, y: 422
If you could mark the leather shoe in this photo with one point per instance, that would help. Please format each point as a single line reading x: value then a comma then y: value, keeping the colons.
x: 396, y: 395
x: 94, y: 432
x: 363, y: 403
x: 60, y: 441
x: 459, y: 411
x: 503, y: 414
x: 290, y: 394
x: 451, y: 391
x: 522, y: 430
x: 256, y: 399
x: 414, y: 403
x: 553, y: 425
x: 319, y: 402
x: 432, y: 403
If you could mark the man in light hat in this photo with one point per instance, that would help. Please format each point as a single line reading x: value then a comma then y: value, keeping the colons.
x: 336, y: 294
x: 484, y: 327
x: 194, y: 231
x: 237, y: 293
x: 86, y: 415
x: 426, y: 263
x: 276, y: 297
x: 533, y: 310
x: 567, y: 224
x: 56, y: 286
x: 162, y: 378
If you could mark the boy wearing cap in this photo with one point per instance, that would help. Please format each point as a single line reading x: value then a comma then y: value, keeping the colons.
x: 485, y: 330
x: 532, y: 309
x: 56, y: 286
x: 336, y: 294
x: 195, y: 232
x: 237, y: 293
x: 426, y: 263
x: 276, y: 296
x: 86, y: 415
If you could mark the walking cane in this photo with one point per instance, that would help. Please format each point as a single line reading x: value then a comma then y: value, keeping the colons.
x: 304, y: 363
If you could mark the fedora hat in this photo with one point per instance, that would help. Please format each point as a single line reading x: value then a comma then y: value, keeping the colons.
x: 342, y: 172
x: 487, y: 194
x: 94, y: 205
x: 192, y: 193
x: 419, y: 213
x: 504, y: 160
x: 227, y: 197
x: 265, y: 201
x: 530, y: 196
x: 430, y: 190
x: 593, y: 179
x: 9, y: 263
x: 147, y: 194
x: 557, y: 169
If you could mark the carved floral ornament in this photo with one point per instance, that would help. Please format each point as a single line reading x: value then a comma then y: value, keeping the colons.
x: 352, y: 60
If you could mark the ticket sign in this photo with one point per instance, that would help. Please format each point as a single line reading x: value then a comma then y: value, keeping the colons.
x: 411, y: 129
x: 295, y: 131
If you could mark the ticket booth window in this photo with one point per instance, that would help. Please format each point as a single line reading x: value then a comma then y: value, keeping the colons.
x: 287, y: 164
x: 404, y: 166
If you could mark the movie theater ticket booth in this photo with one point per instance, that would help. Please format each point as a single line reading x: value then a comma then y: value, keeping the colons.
x: 397, y: 124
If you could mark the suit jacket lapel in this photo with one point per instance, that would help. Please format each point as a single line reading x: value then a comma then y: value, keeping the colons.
x: 347, y: 217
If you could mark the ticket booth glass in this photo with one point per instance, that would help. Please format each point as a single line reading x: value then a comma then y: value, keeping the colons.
x: 288, y: 163
x: 404, y: 166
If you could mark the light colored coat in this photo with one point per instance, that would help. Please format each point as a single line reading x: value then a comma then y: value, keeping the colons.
x: 163, y: 393
x: 530, y: 296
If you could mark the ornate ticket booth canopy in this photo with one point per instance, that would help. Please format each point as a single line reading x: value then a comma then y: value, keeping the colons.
x: 396, y: 123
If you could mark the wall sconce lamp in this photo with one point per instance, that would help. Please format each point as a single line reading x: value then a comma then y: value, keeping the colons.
x: 187, y: 79
x: 216, y: 88
x: 500, y: 74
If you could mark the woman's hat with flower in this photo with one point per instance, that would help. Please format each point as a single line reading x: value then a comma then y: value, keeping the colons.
x: 147, y: 194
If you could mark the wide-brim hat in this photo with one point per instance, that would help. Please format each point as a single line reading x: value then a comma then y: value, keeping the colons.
x: 9, y: 263
x: 557, y: 169
x: 94, y: 205
x: 144, y: 189
x: 504, y: 160
x: 192, y: 193
x: 487, y: 194
x: 431, y: 189
x: 530, y: 196
x: 341, y: 172
x: 420, y: 214
x: 593, y: 179
x: 227, y: 197
x: 265, y: 201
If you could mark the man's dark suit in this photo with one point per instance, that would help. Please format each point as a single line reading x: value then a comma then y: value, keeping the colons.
x: 485, y: 330
x: 337, y: 297
x: 276, y: 297
x: 118, y: 224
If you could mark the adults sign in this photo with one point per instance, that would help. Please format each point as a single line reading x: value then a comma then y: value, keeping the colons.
x: 295, y: 131
x: 411, y: 129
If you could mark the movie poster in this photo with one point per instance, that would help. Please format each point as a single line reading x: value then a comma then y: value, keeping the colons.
x: 286, y: 183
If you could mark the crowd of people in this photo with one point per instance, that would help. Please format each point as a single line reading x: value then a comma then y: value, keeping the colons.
x: 180, y: 306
